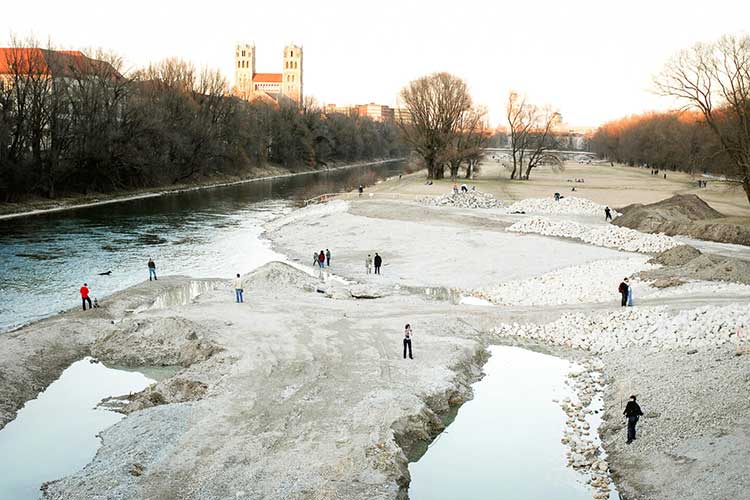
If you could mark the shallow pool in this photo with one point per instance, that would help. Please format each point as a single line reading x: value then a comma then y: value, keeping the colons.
x: 505, y: 443
x: 55, y: 434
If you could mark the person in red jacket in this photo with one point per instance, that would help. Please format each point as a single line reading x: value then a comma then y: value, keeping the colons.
x: 85, y: 296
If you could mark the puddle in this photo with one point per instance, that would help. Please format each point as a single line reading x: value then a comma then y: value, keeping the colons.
x: 505, y: 443
x: 54, y: 435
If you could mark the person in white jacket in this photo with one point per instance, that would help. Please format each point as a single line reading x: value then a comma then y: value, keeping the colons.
x: 238, y: 288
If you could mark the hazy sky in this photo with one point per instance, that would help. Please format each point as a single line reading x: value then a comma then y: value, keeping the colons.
x: 593, y: 59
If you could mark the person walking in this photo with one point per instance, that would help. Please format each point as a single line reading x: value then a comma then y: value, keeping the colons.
x: 322, y: 259
x: 85, y: 296
x: 632, y: 413
x: 407, y: 340
x: 607, y: 214
x: 238, y: 291
x: 315, y: 259
x: 328, y: 258
x: 378, y: 263
x: 623, y: 289
x: 368, y: 263
x: 151, y: 269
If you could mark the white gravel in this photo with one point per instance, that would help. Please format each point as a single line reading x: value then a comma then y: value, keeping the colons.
x: 653, y: 327
x: 592, y: 282
x: 566, y: 206
x: 608, y: 236
x: 310, y: 212
x: 469, y: 199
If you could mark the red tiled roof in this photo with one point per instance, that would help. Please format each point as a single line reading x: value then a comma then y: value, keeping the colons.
x: 52, y: 62
x: 267, y: 77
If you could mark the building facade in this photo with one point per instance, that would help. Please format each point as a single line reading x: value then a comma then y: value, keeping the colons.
x: 250, y: 85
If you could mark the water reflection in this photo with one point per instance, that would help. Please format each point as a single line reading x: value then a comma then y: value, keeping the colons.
x: 55, y: 434
x: 504, y: 443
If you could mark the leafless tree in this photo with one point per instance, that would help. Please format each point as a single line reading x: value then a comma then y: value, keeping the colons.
x: 715, y: 79
x: 438, y: 105
x: 530, y: 130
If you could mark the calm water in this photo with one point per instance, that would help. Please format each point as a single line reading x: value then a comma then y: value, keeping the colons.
x: 44, y: 259
x: 54, y: 435
x: 504, y: 443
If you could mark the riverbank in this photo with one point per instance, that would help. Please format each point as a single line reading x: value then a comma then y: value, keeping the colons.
x: 301, y: 390
x: 268, y: 172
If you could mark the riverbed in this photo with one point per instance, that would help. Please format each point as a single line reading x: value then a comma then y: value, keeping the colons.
x: 44, y: 259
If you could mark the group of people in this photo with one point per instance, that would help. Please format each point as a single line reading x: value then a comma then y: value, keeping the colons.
x: 702, y: 183
x: 322, y: 259
x: 377, y: 261
x: 464, y: 188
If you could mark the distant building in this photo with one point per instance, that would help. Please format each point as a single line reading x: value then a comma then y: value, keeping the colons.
x: 36, y: 62
x: 274, y: 87
x: 376, y: 112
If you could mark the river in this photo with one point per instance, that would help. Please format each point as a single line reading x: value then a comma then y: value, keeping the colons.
x: 44, y: 259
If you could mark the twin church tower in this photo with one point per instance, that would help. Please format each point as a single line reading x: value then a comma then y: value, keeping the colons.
x: 275, y: 87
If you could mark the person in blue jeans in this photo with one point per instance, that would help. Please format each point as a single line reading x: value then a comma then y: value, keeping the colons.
x: 151, y: 269
x: 238, y: 288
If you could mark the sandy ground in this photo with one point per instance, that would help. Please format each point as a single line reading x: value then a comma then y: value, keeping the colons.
x: 300, y: 394
x: 614, y: 186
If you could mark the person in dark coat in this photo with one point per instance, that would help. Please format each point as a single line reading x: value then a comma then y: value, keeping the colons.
x: 407, y: 340
x: 378, y: 262
x: 632, y: 413
x: 607, y: 214
x: 624, y: 288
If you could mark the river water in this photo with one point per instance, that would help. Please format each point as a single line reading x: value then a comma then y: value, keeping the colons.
x: 44, y: 259
x: 504, y: 443
x: 55, y: 434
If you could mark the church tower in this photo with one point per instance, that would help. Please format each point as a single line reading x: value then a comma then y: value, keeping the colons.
x: 244, y: 70
x: 291, y: 76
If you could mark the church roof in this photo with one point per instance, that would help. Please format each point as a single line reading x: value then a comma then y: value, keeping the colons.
x: 267, y: 77
x: 65, y: 63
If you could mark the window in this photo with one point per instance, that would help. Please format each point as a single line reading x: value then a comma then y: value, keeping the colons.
x: 243, y: 53
x: 239, y: 64
x: 291, y: 53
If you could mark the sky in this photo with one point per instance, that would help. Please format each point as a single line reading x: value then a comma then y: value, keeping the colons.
x: 593, y: 60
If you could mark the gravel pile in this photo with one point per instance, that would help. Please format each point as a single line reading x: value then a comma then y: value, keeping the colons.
x: 566, y: 206
x: 606, y: 236
x: 469, y: 199
x: 593, y: 282
x: 653, y: 327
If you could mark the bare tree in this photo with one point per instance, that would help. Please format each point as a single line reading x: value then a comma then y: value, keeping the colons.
x: 467, y: 143
x: 715, y: 79
x: 530, y: 133
x: 437, y: 106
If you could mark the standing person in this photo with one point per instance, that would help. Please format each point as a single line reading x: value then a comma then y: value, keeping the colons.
x: 361, y: 189
x: 633, y: 413
x: 378, y: 263
x: 238, y: 291
x: 607, y: 214
x: 368, y: 264
x: 407, y: 340
x: 315, y: 259
x: 322, y: 259
x: 151, y: 269
x: 85, y: 296
x: 623, y: 289
x: 328, y: 258
x: 630, y: 295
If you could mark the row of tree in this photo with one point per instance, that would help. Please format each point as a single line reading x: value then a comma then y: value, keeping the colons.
x: 72, y: 124
x: 712, y: 80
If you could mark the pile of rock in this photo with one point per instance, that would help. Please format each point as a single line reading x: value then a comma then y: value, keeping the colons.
x: 593, y: 282
x: 467, y: 199
x: 566, y: 206
x: 606, y: 236
x: 654, y: 327
x: 584, y: 448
